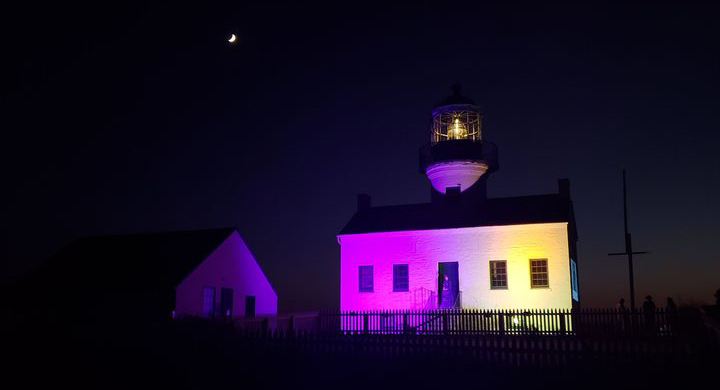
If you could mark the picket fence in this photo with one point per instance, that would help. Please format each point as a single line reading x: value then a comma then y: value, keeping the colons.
x: 558, y: 322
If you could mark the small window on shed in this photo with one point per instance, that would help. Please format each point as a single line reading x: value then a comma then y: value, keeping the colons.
x: 208, y: 301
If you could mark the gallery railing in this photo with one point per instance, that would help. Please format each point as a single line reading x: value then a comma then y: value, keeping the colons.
x: 593, y: 322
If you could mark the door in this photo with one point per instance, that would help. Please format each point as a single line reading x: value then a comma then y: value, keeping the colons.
x: 226, y: 303
x: 249, y: 306
x: 448, y: 285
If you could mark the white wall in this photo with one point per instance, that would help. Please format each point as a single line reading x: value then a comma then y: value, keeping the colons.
x: 472, y: 248
x: 230, y: 265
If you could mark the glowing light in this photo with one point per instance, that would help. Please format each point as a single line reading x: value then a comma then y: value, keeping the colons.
x: 457, y: 130
x: 232, y: 39
x: 460, y: 123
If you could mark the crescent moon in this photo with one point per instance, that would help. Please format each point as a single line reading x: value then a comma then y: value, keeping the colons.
x: 233, y: 38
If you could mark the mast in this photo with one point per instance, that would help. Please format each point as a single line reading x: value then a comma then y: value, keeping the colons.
x: 628, y: 250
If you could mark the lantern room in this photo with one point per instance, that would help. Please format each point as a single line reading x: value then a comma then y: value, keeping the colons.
x: 456, y: 118
x: 457, y: 156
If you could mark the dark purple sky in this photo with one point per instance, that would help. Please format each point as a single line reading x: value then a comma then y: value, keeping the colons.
x: 122, y: 119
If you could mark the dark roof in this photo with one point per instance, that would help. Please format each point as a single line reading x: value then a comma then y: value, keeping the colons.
x: 140, y: 262
x: 455, y: 98
x: 491, y: 212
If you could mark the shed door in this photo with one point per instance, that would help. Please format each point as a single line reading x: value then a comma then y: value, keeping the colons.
x: 249, y: 306
x: 226, y: 303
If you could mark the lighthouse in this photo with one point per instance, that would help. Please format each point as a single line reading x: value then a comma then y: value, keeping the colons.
x: 457, y: 158
x: 462, y: 249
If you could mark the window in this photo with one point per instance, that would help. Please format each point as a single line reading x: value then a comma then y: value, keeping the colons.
x: 573, y: 280
x: 400, y: 277
x: 498, y: 275
x: 538, y: 273
x: 366, y: 278
x: 208, y: 302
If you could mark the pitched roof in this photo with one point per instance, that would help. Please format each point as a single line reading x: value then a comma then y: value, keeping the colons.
x: 491, y: 212
x: 152, y: 261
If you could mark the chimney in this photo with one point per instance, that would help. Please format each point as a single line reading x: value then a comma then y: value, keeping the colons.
x: 364, y: 202
x: 452, y: 195
x: 564, y: 187
x: 452, y: 191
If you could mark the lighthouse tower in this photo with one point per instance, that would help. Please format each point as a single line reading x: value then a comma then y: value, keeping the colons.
x: 463, y: 249
x: 457, y: 160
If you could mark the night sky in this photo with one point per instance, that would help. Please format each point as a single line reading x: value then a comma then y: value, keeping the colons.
x: 123, y: 119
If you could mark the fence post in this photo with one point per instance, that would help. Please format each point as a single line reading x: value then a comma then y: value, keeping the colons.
x: 562, y: 323
x: 366, y: 323
x: 501, y: 323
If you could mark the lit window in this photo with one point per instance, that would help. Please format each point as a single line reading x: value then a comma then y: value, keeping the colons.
x: 400, y: 277
x: 538, y: 273
x: 366, y: 278
x: 498, y: 274
x: 574, y: 280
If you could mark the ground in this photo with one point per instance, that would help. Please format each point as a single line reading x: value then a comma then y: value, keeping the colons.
x: 163, y: 355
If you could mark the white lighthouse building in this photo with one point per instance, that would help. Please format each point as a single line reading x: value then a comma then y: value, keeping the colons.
x: 462, y: 249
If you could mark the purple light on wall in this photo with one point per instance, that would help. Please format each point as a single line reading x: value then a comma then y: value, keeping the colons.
x: 232, y: 266
x: 472, y: 249
x: 461, y: 174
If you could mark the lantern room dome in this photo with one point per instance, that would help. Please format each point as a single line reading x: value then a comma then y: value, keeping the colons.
x: 455, y: 98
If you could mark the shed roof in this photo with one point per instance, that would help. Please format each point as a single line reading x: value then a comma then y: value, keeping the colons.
x: 150, y: 261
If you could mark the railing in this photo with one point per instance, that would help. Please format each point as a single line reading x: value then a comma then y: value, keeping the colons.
x: 592, y: 322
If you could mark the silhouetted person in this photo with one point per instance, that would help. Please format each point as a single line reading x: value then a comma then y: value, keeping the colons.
x: 671, y: 314
x: 715, y: 311
x: 446, y: 301
x: 625, y: 324
x: 670, y: 306
x: 649, y: 312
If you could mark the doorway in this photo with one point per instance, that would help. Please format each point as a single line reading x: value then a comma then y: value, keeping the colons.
x: 226, y: 303
x: 448, y: 285
x: 249, y: 306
